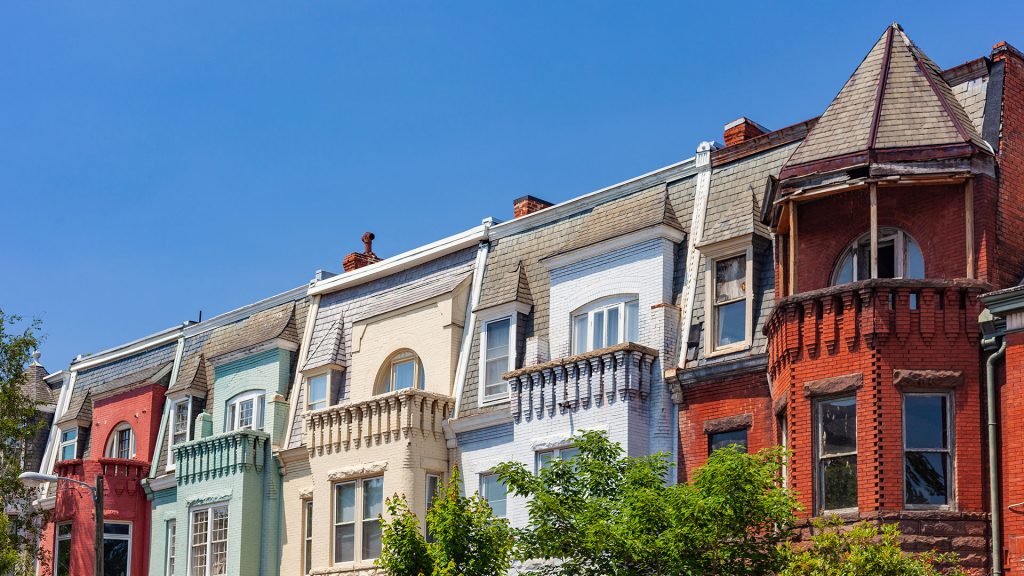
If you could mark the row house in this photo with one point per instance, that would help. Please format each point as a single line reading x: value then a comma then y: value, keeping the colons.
x: 215, y: 483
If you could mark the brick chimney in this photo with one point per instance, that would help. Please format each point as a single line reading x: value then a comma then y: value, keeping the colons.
x: 741, y: 130
x: 528, y: 205
x: 357, y: 260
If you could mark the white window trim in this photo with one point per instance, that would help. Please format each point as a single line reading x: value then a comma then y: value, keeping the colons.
x: 509, y: 312
x: 327, y: 388
x: 112, y: 442
x: 57, y: 539
x: 483, y: 493
x: 386, y: 373
x: 556, y: 454
x: 740, y: 246
x: 819, y: 481
x: 62, y: 443
x: 950, y: 451
x: 307, y: 536
x: 209, y: 536
x: 128, y: 538
x: 899, y: 238
x: 602, y: 305
x: 357, y: 521
x: 258, y: 411
x: 171, y: 527
x: 187, y: 399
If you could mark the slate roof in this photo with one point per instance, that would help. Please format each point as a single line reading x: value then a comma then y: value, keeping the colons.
x: 80, y: 406
x: 328, y: 349
x: 625, y: 215
x: 191, y: 375
x: 35, y: 388
x: 896, y: 98
x: 277, y: 322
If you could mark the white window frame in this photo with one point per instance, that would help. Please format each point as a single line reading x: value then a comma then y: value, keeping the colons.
x: 57, y: 539
x: 114, y: 445
x: 510, y: 313
x: 327, y: 390
x: 174, y: 402
x: 485, y: 496
x: 713, y: 253
x: 601, y: 307
x: 358, y: 522
x: 386, y: 378
x: 307, y: 536
x: 65, y: 443
x: 127, y: 538
x: 950, y: 448
x: 899, y: 238
x: 172, y: 542
x: 259, y: 407
x: 816, y: 431
x: 209, y: 537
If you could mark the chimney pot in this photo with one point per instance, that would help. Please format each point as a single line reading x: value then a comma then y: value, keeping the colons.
x: 741, y: 130
x: 357, y: 260
x: 528, y: 205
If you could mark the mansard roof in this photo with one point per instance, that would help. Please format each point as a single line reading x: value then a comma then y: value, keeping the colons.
x: 645, y: 209
x: 191, y: 375
x: 896, y: 106
x: 328, y: 349
x: 280, y: 322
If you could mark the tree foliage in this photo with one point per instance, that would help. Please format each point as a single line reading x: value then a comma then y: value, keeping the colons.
x: 863, y: 550
x: 19, y: 423
x: 467, y: 539
x: 601, y: 513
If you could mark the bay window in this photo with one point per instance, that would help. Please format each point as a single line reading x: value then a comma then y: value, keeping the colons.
x: 364, y: 518
x: 927, y: 430
x: 836, y: 445
x: 117, y: 544
x: 605, y: 323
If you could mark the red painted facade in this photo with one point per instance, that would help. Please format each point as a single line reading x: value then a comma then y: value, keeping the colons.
x: 124, y: 497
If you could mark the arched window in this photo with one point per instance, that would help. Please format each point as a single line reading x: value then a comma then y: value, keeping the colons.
x: 401, y: 370
x: 122, y: 442
x: 606, y: 322
x: 899, y: 256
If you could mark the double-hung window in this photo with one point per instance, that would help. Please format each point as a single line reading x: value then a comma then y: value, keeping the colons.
x: 117, y: 545
x: 62, y: 554
x: 348, y: 516
x: 495, y: 493
x: 729, y: 300
x: 172, y: 543
x: 246, y: 412
x: 209, y: 541
x: 497, y: 347
x: 544, y: 457
x: 927, y: 430
x: 836, y: 439
x: 604, y: 324
x: 122, y: 442
x: 181, y: 417
x: 307, y: 538
x: 69, y: 444
x: 317, y: 392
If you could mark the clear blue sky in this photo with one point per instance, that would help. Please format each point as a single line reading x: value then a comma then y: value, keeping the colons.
x: 161, y: 158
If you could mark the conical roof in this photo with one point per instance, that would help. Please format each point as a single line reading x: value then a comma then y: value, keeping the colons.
x: 894, y: 106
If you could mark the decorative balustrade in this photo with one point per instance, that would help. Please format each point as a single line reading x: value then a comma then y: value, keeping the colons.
x: 616, y: 373
x: 221, y: 455
x: 873, y: 312
x: 379, y: 420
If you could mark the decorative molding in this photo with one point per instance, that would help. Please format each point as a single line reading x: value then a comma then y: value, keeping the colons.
x: 478, y: 421
x: 111, y: 354
x: 305, y: 493
x: 274, y: 344
x: 209, y: 499
x: 903, y: 378
x: 729, y: 423
x: 357, y: 470
x: 834, y: 385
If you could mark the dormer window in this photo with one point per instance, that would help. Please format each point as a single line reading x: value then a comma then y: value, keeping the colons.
x: 317, y: 393
x: 604, y: 323
x: 69, y: 444
x: 402, y: 370
x: 246, y: 412
x: 899, y: 256
x: 729, y: 295
x: 122, y: 442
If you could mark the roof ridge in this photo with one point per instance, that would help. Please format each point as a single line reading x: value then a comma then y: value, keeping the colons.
x: 883, y: 80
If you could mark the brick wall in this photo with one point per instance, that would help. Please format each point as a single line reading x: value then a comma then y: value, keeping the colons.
x: 1011, y: 396
x: 744, y: 394
x: 1010, y: 215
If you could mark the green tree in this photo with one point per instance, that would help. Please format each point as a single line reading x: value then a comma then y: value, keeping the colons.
x: 466, y: 538
x: 19, y: 423
x: 863, y: 550
x: 601, y: 513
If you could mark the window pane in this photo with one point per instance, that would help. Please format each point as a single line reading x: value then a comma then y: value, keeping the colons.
x: 344, y: 543
x: 612, y: 329
x: 495, y: 493
x: 180, y: 422
x: 124, y: 444
x: 497, y: 356
x: 404, y: 374
x: 231, y: 416
x: 839, y: 483
x: 544, y: 459
x: 886, y: 259
x: 219, y: 542
x: 318, y: 392
x: 732, y: 319
x: 568, y: 453
x: 345, y: 502
x: 579, y: 334
x: 69, y: 435
x: 730, y: 278
x: 261, y: 410
x: 838, y: 426
x: 915, y: 262
x: 495, y: 368
x: 67, y: 452
x: 723, y: 439
x: 925, y: 476
x: 497, y: 338
x: 116, y: 529
x: 864, y: 260
x: 63, y: 550
x: 371, y: 539
x: 199, y: 535
x: 373, y: 498
x: 172, y: 542
x: 115, y: 557
x: 633, y: 321
x: 245, y: 414
x: 844, y: 272
x: 926, y: 422
x: 597, y: 338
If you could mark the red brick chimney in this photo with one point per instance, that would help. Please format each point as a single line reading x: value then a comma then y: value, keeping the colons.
x: 741, y: 130
x: 357, y: 260
x: 528, y: 205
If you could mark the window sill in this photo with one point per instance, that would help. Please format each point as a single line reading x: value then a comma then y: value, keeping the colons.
x: 730, y: 349
x: 494, y: 400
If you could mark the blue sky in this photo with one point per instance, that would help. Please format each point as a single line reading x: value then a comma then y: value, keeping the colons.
x: 158, y: 159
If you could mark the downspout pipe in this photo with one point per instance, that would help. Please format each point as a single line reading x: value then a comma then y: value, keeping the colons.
x: 993, y: 454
